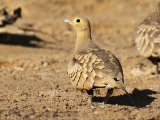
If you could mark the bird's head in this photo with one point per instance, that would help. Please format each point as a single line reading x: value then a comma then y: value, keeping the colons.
x: 79, y: 23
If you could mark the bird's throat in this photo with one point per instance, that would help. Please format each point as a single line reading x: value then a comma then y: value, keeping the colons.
x: 82, y: 40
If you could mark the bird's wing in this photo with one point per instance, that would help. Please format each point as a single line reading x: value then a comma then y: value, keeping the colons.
x: 148, y: 39
x: 80, y: 67
x: 112, y: 64
x: 94, y: 68
x: 155, y: 36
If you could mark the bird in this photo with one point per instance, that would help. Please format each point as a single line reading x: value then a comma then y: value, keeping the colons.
x: 91, y: 66
x: 147, y: 38
x: 9, y: 19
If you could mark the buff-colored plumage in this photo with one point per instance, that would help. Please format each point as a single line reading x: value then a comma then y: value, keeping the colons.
x: 91, y: 66
x: 148, y: 35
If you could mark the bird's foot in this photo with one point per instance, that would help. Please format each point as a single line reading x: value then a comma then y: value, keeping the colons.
x: 158, y: 68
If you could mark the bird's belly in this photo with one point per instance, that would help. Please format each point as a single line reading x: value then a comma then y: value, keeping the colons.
x: 103, y: 82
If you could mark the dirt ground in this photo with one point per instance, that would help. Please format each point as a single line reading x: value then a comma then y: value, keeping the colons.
x: 33, y: 79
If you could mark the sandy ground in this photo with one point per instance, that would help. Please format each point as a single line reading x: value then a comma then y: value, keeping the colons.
x: 33, y: 79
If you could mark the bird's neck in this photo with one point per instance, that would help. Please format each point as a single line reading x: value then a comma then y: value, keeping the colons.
x: 156, y: 9
x: 83, y: 40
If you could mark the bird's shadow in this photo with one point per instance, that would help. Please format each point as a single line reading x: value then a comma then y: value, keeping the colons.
x: 21, y: 40
x: 141, y: 98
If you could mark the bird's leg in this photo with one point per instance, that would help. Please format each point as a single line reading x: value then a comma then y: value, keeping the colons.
x: 124, y: 89
x: 132, y: 101
x: 158, y: 67
x: 109, y: 93
x: 90, y: 93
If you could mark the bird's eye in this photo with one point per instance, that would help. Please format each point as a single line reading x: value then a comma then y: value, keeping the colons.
x: 78, y: 20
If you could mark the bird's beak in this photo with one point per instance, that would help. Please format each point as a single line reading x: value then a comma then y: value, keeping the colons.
x: 66, y: 21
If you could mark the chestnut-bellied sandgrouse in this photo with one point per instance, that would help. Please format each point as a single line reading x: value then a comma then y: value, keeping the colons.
x: 91, y: 66
x: 8, y: 19
x: 148, y: 36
